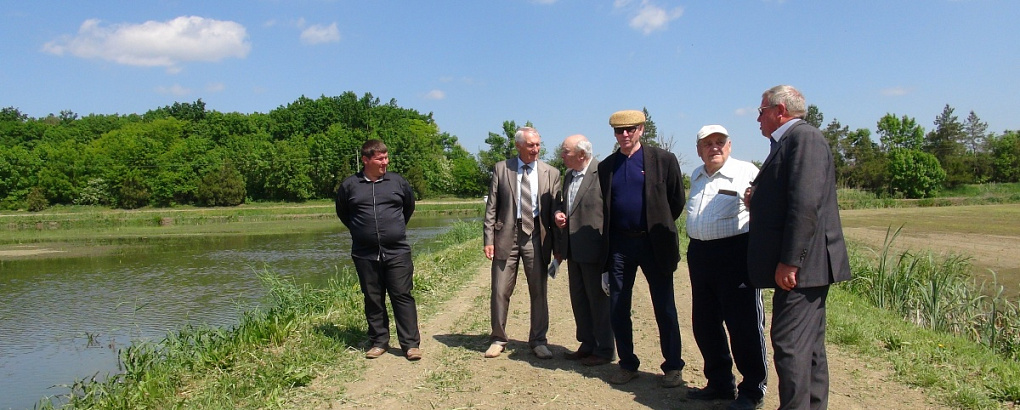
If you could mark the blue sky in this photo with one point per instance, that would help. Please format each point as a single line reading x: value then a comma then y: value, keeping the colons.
x: 564, y: 65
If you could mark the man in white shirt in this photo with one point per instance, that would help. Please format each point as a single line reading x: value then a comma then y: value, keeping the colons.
x: 717, y: 223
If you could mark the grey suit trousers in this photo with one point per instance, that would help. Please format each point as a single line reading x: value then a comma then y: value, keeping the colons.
x: 504, y: 279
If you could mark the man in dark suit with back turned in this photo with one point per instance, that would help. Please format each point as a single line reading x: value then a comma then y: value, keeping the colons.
x: 643, y: 191
x: 580, y: 242
x: 518, y: 228
x: 796, y: 244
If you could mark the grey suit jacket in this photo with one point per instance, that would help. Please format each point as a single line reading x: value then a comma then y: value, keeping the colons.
x: 500, y: 225
x: 794, y: 213
x: 582, y: 241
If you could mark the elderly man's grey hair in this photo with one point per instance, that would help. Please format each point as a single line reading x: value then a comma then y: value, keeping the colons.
x: 789, y: 97
x: 519, y: 135
x: 585, y: 147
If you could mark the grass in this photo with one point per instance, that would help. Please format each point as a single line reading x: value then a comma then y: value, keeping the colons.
x: 975, y: 194
x: 76, y: 224
x: 938, y: 328
x: 273, y: 352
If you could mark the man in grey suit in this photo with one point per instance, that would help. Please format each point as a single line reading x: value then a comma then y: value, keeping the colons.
x: 581, y: 244
x: 518, y: 227
x: 796, y: 244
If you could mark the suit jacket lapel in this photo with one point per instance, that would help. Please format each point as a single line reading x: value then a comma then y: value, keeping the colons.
x: 586, y: 184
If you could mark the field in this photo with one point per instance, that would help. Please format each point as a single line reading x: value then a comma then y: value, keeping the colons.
x: 988, y: 234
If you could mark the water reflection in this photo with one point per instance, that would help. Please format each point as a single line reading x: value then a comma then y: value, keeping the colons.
x: 64, y: 319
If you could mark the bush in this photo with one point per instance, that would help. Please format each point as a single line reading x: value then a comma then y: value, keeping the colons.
x: 222, y: 187
x: 36, y: 200
x: 914, y: 173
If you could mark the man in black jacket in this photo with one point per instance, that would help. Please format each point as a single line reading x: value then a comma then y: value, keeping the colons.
x: 375, y: 206
x: 643, y: 195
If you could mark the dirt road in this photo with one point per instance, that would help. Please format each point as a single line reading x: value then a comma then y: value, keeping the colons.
x: 454, y: 374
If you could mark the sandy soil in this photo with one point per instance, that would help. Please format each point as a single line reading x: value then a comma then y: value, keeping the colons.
x: 453, y: 373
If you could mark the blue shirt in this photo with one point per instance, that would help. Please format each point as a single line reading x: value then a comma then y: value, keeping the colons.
x: 628, y: 194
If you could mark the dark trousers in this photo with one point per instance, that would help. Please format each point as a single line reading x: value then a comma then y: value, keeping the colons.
x: 626, y: 254
x: 798, y: 337
x: 391, y: 276
x: 591, y: 309
x: 721, y: 294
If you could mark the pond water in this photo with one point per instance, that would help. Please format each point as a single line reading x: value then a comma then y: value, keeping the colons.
x: 64, y: 319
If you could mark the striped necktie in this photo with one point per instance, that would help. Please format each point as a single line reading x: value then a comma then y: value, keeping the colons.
x: 527, y: 208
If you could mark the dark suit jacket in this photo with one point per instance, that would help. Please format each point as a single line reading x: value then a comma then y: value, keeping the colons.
x: 794, y: 214
x: 664, y: 201
x: 500, y: 225
x: 582, y: 241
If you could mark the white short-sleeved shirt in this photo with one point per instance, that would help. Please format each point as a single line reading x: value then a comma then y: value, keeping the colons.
x: 715, y: 208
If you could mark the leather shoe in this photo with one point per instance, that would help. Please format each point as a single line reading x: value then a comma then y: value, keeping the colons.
x: 542, y: 352
x: 745, y: 403
x: 494, y: 351
x: 578, y: 355
x: 413, y: 354
x: 623, y: 376
x: 376, y: 351
x: 593, y: 360
x: 708, y: 393
x: 672, y: 378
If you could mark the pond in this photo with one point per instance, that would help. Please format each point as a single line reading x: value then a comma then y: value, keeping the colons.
x: 64, y: 319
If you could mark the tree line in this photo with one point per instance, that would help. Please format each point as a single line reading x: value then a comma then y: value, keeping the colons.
x: 186, y: 154
x: 908, y: 162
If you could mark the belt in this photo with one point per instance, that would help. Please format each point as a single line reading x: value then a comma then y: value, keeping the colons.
x: 630, y: 233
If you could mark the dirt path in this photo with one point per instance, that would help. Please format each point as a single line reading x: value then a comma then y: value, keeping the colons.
x: 454, y: 374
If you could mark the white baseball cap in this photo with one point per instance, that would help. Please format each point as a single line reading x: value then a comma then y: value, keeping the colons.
x: 712, y: 129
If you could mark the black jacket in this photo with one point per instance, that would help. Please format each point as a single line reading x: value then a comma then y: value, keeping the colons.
x: 376, y: 213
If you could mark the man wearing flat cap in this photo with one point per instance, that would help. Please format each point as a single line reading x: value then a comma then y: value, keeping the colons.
x: 717, y: 223
x: 643, y: 195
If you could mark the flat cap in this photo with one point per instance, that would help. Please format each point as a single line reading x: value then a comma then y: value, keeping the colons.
x: 712, y: 129
x: 626, y: 118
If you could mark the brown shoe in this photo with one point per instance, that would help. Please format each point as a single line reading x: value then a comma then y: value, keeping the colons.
x: 376, y: 351
x: 493, y: 351
x: 413, y: 354
x: 623, y: 376
x: 576, y: 355
x: 595, y: 360
x: 672, y: 378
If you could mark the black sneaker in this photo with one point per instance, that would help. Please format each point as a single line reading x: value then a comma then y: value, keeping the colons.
x: 709, y: 393
x: 745, y: 403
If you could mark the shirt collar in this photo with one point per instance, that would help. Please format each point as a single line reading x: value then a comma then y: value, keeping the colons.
x: 521, y: 164
x: 783, y: 128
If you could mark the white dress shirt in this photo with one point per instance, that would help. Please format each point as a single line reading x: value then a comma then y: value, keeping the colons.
x: 533, y: 179
x: 715, y: 209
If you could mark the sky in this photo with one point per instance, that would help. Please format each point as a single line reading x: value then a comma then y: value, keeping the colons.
x: 564, y: 65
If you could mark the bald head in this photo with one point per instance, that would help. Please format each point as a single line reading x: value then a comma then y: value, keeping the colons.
x: 576, y: 151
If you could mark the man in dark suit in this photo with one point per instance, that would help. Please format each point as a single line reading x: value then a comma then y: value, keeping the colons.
x: 581, y: 245
x: 643, y: 192
x: 518, y: 227
x: 796, y: 244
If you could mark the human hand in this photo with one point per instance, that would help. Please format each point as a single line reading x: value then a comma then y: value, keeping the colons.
x: 605, y: 282
x: 786, y: 276
x: 747, y: 197
x: 561, y: 219
x: 489, y: 250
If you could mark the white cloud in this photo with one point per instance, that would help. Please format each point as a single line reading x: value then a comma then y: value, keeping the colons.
x: 435, y: 95
x: 650, y: 17
x: 740, y: 112
x: 156, y: 43
x: 896, y: 91
x: 318, y: 34
x: 543, y: 1
x: 215, y: 87
x: 175, y: 89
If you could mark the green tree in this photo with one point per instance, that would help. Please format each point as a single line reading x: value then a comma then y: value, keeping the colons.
x: 501, y: 147
x: 651, y: 135
x: 814, y: 116
x: 915, y: 174
x: 222, y: 186
x: 1006, y: 157
x: 975, y: 133
x: 900, y: 132
x: 944, y: 142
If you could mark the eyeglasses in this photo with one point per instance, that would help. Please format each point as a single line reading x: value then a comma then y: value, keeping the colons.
x: 762, y: 109
x: 621, y: 130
